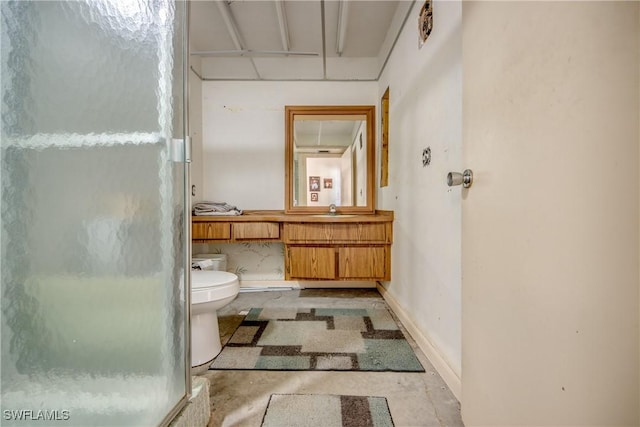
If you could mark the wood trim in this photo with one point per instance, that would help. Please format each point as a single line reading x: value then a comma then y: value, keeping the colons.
x: 340, y: 110
x: 289, y: 113
x: 384, y: 145
x: 282, y: 217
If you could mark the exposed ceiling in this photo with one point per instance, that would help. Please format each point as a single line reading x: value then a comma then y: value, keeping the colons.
x: 330, y: 135
x: 295, y: 39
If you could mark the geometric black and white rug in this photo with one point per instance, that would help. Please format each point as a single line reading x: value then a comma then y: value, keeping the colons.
x: 324, y: 339
x: 308, y: 410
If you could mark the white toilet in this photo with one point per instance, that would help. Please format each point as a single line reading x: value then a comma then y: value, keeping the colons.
x: 210, y: 291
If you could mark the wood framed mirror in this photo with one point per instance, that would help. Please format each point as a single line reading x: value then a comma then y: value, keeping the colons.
x: 330, y: 159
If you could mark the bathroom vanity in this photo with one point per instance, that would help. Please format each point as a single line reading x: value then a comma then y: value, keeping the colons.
x: 330, y: 228
x: 317, y: 246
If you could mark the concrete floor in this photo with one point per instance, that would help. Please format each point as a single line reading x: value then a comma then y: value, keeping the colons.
x: 239, y: 398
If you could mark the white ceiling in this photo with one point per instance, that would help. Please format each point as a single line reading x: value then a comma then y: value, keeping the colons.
x: 314, y: 135
x: 295, y: 39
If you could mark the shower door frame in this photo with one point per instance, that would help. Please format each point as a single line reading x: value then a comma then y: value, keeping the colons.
x: 186, y: 153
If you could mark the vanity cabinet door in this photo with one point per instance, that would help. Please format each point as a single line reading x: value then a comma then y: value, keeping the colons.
x: 338, y: 251
x: 256, y: 231
x: 362, y: 262
x: 311, y: 262
x: 338, y: 233
x: 210, y: 230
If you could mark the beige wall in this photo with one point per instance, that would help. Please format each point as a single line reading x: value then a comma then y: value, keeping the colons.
x: 550, y: 227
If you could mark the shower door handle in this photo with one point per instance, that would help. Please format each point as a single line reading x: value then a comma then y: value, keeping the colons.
x: 456, y: 178
x: 180, y: 150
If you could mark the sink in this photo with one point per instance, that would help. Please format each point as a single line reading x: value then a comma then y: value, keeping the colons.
x: 333, y: 215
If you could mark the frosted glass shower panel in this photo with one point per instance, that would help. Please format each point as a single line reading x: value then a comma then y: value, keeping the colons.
x: 74, y: 61
x: 93, y: 212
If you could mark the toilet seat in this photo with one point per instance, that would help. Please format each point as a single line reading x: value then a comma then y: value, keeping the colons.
x: 212, y: 285
x: 208, y: 278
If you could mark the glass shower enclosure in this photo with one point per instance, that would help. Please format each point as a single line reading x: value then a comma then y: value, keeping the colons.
x: 95, y: 214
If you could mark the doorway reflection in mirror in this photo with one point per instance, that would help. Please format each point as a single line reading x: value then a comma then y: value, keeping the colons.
x: 338, y: 166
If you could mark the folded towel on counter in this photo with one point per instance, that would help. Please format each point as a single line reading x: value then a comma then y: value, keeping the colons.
x: 215, y: 208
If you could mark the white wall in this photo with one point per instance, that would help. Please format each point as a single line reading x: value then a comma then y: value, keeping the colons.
x: 195, y: 126
x: 323, y: 167
x: 359, y: 151
x: 426, y: 110
x: 243, y: 135
x: 346, y: 183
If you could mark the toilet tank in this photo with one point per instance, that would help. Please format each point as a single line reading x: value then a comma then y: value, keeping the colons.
x: 210, y: 261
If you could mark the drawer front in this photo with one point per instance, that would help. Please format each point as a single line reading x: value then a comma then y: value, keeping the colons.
x: 362, y: 262
x: 337, y: 233
x: 211, y: 230
x: 311, y: 262
x: 256, y: 230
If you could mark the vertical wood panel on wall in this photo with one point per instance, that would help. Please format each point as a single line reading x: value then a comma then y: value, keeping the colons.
x: 384, y: 136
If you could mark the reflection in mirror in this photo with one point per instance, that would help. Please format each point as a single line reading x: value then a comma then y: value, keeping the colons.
x: 330, y: 158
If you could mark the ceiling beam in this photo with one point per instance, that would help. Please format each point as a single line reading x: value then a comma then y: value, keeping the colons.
x: 251, y: 53
x: 232, y: 28
x: 230, y: 23
x: 343, y: 18
x: 282, y: 22
x: 319, y: 133
x: 324, y: 41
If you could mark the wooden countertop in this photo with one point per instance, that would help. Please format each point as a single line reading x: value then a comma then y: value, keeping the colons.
x: 280, y: 216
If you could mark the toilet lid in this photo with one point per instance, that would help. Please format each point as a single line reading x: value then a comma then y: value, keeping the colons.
x: 210, y: 278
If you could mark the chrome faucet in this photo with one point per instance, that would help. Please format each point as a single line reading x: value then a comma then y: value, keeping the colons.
x: 332, y: 209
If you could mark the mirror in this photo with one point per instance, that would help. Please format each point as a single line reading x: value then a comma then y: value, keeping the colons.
x: 329, y: 159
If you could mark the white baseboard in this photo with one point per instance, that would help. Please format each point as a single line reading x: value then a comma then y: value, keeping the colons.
x: 434, y: 356
x: 268, y: 284
x: 302, y: 284
x: 338, y: 284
